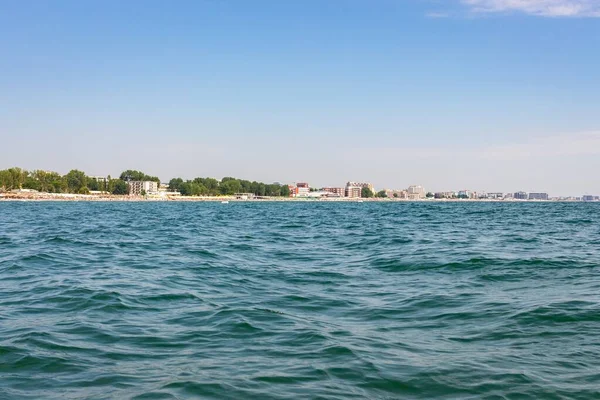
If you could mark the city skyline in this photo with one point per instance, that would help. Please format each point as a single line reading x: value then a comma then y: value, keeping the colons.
x: 465, y: 94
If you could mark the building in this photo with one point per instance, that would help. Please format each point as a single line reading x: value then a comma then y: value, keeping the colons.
x: 520, y: 196
x: 464, y: 194
x: 137, y: 188
x: 538, y: 196
x: 301, y: 189
x: 587, y: 197
x: 361, y: 185
x: 497, y: 195
x: 396, y: 194
x: 335, y: 191
x: 353, y: 192
x: 444, y: 195
x: 416, y: 192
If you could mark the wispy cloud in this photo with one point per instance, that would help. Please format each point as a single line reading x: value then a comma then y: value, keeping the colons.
x: 544, y: 8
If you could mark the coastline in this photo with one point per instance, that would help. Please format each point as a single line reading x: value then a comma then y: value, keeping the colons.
x: 61, y: 197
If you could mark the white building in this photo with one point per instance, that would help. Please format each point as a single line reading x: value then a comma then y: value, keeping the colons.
x: 136, y: 188
x: 416, y: 192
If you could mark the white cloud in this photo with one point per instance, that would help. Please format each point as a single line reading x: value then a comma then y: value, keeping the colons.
x: 546, y: 8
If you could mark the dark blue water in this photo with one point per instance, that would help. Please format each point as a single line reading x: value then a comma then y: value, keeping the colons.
x: 300, y: 300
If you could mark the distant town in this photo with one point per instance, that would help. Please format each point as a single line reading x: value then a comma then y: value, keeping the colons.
x: 18, y: 183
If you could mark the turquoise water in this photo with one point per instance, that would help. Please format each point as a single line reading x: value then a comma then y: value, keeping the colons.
x: 300, y: 300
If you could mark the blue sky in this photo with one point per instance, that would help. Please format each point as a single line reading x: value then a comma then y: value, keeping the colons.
x: 497, y: 95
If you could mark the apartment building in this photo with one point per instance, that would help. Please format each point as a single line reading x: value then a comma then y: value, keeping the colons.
x: 136, y: 188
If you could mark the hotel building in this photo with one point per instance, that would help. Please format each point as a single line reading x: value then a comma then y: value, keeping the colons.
x: 353, y: 192
x: 137, y: 187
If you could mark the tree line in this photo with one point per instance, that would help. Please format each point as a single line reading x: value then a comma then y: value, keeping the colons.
x: 226, y: 186
x: 76, y: 181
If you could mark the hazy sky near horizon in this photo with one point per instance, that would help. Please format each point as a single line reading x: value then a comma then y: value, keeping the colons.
x: 495, y: 95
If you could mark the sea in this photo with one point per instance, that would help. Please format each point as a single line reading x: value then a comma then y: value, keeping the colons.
x: 299, y: 300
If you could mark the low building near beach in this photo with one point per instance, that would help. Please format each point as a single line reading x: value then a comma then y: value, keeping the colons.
x: 335, y: 191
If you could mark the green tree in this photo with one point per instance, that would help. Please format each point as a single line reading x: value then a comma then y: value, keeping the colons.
x: 382, y: 194
x: 175, y: 183
x: 429, y: 195
x: 212, y: 185
x: 49, y: 181
x: 76, y: 180
x: 284, y: 191
x: 93, y: 184
x: 395, y: 195
x: 133, y: 175
x: 12, y: 178
x: 230, y: 186
x: 5, y: 180
x: 119, y: 187
x: 366, y: 193
x: 246, y: 186
x: 273, y: 190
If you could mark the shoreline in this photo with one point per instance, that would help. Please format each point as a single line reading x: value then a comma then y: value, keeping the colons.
x: 63, y: 197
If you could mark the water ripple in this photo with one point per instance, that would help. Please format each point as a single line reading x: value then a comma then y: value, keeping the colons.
x: 292, y: 300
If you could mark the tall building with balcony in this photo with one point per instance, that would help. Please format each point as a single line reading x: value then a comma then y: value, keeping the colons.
x: 136, y: 188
